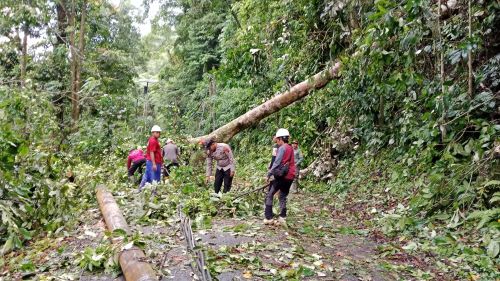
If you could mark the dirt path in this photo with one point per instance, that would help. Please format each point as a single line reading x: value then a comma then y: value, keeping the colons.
x: 316, y: 244
x: 311, y: 247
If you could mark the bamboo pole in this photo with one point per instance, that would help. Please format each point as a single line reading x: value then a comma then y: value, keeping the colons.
x: 131, y: 260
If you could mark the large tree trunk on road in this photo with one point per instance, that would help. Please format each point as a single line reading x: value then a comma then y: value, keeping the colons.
x: 132, y: 260
x: 252, y: 117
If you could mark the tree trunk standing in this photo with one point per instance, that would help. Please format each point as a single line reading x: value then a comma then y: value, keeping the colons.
x: 442, y: 128
x: 76, y: 60
x: 24, y: 55
x: 62, y: 22
x: 80, y: 57
x: 236, y: 18
x: 469, y: 53
x: 212, y: 91
x: 73, y: 63
x: 61, y: 40
x: 252, y: 117
x: 381, y: 106
x: 441, y: 55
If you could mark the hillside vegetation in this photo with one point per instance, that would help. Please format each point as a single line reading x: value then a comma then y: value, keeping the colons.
x: 404, y: 144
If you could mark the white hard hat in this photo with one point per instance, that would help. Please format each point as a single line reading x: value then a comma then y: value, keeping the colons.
x: 169, y: 140
x: 156, y: 128
x: 282, y: 133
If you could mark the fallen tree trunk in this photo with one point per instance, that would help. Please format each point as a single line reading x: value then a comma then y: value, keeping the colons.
x: 131, y: 260
x: 252, y: 117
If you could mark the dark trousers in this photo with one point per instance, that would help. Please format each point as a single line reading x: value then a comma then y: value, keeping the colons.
x: 221, y: 175
x: 168, y: 167
x: 283, y: 186
x: 136, y: 166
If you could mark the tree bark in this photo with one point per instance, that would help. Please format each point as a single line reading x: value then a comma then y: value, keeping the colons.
x: 24, y: 55
x: 469, y: 53
x: 62, y: 22
x: 61, y: 40
x: 76, y: 60
x: 80, y: 57
x: 442, y: 128
x: 132, y: 259
x: 441, y: 55
x: 212, y: 91
x: 73, y: 63
x: 252, y: 117
x: 381, y: 107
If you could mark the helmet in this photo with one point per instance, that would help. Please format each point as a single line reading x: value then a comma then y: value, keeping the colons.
x: 156, y: 128
x: 169, y: 141
x: 282, y: 133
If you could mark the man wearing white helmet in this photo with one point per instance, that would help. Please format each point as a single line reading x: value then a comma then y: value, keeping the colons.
x: 283, y: 171
x: 154, y: 158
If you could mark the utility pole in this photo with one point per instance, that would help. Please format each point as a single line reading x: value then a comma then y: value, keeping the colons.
x: 144, y: 112
x: 146, y: 107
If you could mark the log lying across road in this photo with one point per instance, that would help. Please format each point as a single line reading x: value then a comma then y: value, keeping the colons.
x: 131, y: 260
x: 252, y: 117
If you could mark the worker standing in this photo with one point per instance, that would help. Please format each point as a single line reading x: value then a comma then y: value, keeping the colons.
x: 154, y: 158
x: 298, y: 159
x: 283, y: 172
x: 273, y: 153
x: 170, y: 154
x: 225, y: 167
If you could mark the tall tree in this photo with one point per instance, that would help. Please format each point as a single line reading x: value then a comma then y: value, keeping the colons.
x: 73, y: 63
x: 77, y: 55
x: 60, y: 46
x: 469, y: 51
x: 22, y: 19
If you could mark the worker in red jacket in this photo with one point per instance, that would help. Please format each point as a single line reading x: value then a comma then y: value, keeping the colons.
x: 135, y: 161
x: 154, y: 159
x: 284, y: 158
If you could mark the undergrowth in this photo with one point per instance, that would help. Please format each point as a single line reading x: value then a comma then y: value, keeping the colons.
x: 428, y: 206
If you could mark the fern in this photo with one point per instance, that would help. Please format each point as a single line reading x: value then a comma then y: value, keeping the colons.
x: 484, y: 216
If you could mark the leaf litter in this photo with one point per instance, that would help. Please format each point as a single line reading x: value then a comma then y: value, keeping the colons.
x: 318, y: 243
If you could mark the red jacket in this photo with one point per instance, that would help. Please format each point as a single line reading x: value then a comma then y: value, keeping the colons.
x: 288, y: 157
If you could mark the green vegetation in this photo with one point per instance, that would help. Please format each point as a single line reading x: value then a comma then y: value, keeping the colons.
x: 409, y: 134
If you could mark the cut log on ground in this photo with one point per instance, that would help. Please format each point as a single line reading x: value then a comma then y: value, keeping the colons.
x: 132, y: 260
x: 252, y: 117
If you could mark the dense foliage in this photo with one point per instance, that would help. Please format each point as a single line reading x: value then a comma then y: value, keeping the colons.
x: 41, y: 152
x: 390, y: 96
x: 403, y: 97
x: 418, y: 134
